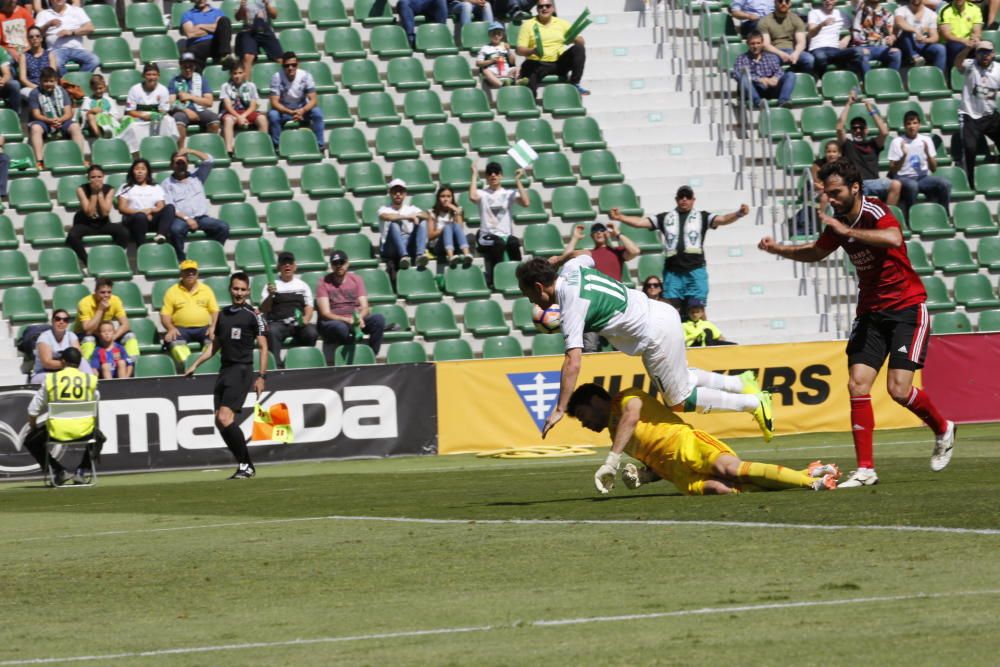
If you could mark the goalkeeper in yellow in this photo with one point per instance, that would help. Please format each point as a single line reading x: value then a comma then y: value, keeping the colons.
x: 693, y: 460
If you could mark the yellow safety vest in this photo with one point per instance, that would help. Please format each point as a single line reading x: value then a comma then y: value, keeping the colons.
x: 70, y: 385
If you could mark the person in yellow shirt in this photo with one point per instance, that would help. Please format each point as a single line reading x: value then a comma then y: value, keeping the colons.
x: 699, y: 332
x: 189, y: 312
x: 103, y: 306
x: 960, y: 25
x: 693, y: 460
x: 540, y: 41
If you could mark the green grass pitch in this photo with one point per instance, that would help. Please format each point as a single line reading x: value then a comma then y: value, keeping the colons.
x: 291, y: 568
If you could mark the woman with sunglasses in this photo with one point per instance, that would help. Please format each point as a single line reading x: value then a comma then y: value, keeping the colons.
x: 51, y: 343
x: 31, y: 63
x: 653, y: 288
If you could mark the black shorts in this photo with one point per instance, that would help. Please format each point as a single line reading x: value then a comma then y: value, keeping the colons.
x: 233, y: 385
x: 903, y: 335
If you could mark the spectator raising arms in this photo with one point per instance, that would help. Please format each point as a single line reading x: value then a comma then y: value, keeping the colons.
x: 863, y: 152
x: 496, y: 229
x: 979, y: 106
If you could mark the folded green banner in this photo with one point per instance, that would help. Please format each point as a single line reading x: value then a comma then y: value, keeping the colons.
x: 539, y: 51
x: 578, y: 26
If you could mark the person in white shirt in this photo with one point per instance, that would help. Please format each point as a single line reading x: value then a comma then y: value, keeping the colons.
x: 402, y: 229
x: 148, y: 103
x: 143, y: 204
x: 293, y: 97
x: 496, y: 225
x: 912, y: 161
x: 64, y: 25
x: 979, y: 103
x: 287, y: 305
x: 917, y: 35
x: 824, y: 26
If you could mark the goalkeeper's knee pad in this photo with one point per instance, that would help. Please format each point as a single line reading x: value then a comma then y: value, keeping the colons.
x: 131, y: 344
x: 87, y: 347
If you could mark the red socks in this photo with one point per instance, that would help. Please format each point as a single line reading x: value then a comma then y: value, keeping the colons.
x: 919, y: 403
x: 862, y: 428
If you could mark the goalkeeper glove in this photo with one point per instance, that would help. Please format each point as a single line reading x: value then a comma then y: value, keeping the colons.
x: 604, y: 478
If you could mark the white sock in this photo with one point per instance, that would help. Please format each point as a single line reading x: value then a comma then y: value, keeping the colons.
x: 707, y: 399
x: 731, y: 383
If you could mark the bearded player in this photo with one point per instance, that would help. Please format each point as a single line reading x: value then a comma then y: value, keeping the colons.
x: 891, y: 316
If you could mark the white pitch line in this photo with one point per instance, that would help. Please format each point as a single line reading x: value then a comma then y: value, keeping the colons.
x: 772, y: 606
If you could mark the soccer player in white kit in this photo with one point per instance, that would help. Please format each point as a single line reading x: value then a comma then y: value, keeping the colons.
x: 591, y: 301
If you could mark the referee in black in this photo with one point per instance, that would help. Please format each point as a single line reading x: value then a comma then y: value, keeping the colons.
x: 237, y: 330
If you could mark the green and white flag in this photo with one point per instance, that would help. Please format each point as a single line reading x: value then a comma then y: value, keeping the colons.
x: 522, y: 153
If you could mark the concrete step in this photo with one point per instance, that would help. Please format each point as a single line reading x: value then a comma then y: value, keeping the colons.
x: 627, y: 151
x: 669, y: 103
x: 651, y: 133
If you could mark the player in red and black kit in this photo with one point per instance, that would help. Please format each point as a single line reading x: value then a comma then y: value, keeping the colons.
x: 892, y: 316
x: 238, y: 330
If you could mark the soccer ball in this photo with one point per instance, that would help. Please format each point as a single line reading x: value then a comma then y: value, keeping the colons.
x: 548, y: 320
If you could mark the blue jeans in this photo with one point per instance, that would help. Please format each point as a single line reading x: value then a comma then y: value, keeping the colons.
x: 465, y: 11
x: 4, y: 173
x: 889, y: 57
x: 952, y: 49
x: 452, y: 237
x: 806, y: 63
x: 214, y: 229
x: 782, y: 92
x: 340, y: 333
x: 11, y: 94
x: 86, y: 59
x: 436, y: 11
x: 398, y: 245
x: 876, y: 187
x: 849, y: 58
x: 276, y: 119
x: 934, y: 54
x: 934, y: 188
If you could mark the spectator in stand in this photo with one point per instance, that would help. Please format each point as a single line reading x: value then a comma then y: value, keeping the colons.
x: 749, y: 13
x: 94, y: 217
x: 64, y: 25
x: 186, y: 193
x: 435, y: 11
x: 257, y: 33
x: 52, y: 113
x: 785, y: 36
x: 917, y: 35
x: 911, y: 159
x: 464, y: 11
x: 143, y: 204
x: 685, y: 277
x: 103, y: 306
x: 32, y: 61
x: 239, y: 106
x: 51, y: 343
x: 148, y: 104
x: 99, y: 112
x: 960, y: 26
x: 287, y: 305
x: 831, y: 153
x: 864, y: 153
x: 824, y: 25
x: 10, y: 87
x: 699, y: 332
x: 496, y: 59
x: 444, y: 230
x: 342, y: 302
x: 293, y: 98
x: 652, y: 287
x: 189, y: 313
x: 15, y: 21
x: 760, y: 75
x: 496, y: 227
x: 402, y: 232
x: 874, y: 35
x: 110, y: 359
x: 541, y: 42
x: 191, y: 100
x: 979, y: 107
x: 209, y: 34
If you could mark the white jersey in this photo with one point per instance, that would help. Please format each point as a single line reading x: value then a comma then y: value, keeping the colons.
x: 591, y: 301
x: 979, y: 93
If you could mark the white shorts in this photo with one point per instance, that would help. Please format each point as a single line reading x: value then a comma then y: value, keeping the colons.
x: 665, y: 357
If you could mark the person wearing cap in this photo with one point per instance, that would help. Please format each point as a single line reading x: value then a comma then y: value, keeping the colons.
x: 209, y: 34
x: 464, y: 11
x: 917, y: 35
x: 978, y: 109
x: 402, y: 229
x: 148, y: 104
x: 342, y: 302
x: 699, y: 332
x: 683, y: 230
x: 191, y: 100
x: 189, y: 312
x: 496, y: 227
x: 496, y: 59
x: 540, y: 42
x: 864, y: 152
x: 960, y: 24
x: 287, y: 305
x: 65, y: 25
x: 293, y: 98
x: 186, y: 193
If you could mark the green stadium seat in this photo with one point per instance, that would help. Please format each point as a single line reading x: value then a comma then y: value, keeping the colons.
x: 254, y: 148
x: 562, y: 100
x: 951, y: 323
x: 973, y: 218
x: 600, y: 167
x: 394, y: 314
x: 647, y: 240
x: 416, y: 286
x: 114, y: 53
x: 975, y: 291
x: 484, y: 318
x: 930, y: 221
x: 423, y: 106
x: 23, y: 305
x: 543, y: 240
x: 21, y: 151
x: 247, y: 256
x: 779, y: 123
x: 206, y: 142
x: 470, y: 104
x: 885, y: 85
x: 304, y: 357
x: 488, y: 137
x: 804, y: 92
x: 63, y: 157
x: 533, y: 212
x: 373, y: 12
x: 620, y: 196
x: 389, y: 41
x: 953, y: 256
x: 211, y: 257
x: 157, y: 260
x: 793, y: 155
x: 649, y: 265
x: 223, y: 185
x: 897, y: 110
x: 441, y: 140
x: 918, y: 258
x: 160, y: 288
x: 717, y: 27
x: 435, y: 320
x: 336, y: 215
x: 435, y: 39
x: 113, y: 154
x: 263, y: 72
x: 365, y: 178
x: 988, y: 253
x: 10, y: 125
x: 538, y: 133
x: 469, y: 209
x: 242, y: 220
x: 989, y: 320
x: 158, y: 151
x: 320, y: 181
x: 452, y: 350
x: 988, y: 180
x: 819, y: 122
x: 406, y: 73
x: 322, y: 76
x: 406, y: 352
x: 210, y: 367
x: 838, y: 85
x: 937, y: 294
x: 452, y: 71
x: 66, y: 191
x: 177, y: 11
x: 154, y: 365
x: 131, y: 298
x: 307, y: 250
x: 299, y: 146
x: 378, y: 286
x: 521, y: 316
x: 344, y: 43
x: 416, y: 174
x: 348, y: 144
x: 300, y: 41
x: 66, y: 297
x: 505, y: 280
x: 501, y: 347
x: 8, y: 239
x: 154, y: 48
x: 395, y: 143
x: 358, y: 248
x: 269, y: 183
x: 454, y: 172
x: 369, y: 211
x: 360, y: 76
x: 944, y: 115
x: 220, y: 287
x: 287, y: 218
x: 927, y: 83
x: 144, y: 18
x: 328, y: 14
x: 463, y: 283
x: 548, y: 344
x: 55, y: 265
x: 29, y: 194
x: 960, y: 190
x: 377, y: 108
x: 105, y: 21
x: 335, y: 111
x: 553, y: 169
x: 516, y: 102
x: 78, y: 78
x: 582, y: 134
x: 474, y: 35
x: 288, y: 15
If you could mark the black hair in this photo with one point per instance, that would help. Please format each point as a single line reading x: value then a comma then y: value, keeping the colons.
x: 48, y: 73
x: 755, y: 34
x: 288, y: 55
x: 95, y: 167
x: 583, y: 395
x: 494, y: 168
x: 437, y: 210
x: 150, y: 67
x: 645, y: 283
x: 60, y: 310
x: 843, y: 168
x: 71, y: 356
x: 239, y: 275
x: 103, y: 282
x: 536, y: 270
x: 910, y: 115
x: 130, y: 178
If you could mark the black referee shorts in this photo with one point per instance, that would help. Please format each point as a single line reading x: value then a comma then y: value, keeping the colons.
x: 232, y: 386
x: 902, y: 335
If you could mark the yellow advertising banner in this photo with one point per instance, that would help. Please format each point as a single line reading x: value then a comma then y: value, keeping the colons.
x: 494, y: 404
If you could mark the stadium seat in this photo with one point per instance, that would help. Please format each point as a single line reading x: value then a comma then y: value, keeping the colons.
x: 897, y: 110
x: 23, y: 305
x: 160, y: 288
x: 952, y: 256
x: 423, y: 106
x: 105, y: 21
x: 779, y: 123
x: 804, y: 92
x: 793, y: 155
x: 364, y: 178
x: 64, y: 297
x: 505, y: 280
x: 973, y: 218
x: 562, y: 100
x: 8, y: 239
x: 885, y: 85
x: 452, y: 350
x: 320, y: 181
x: 647, y: 240
x: 247, y: 256
x: 395, y: 143
x: 944, y: 115
x: 435, y: 320
x: 406, y: 352
x: 538, y: 133
x: 369, y: 211
x: 307, y: 250
x: 975, y: 291
x: 360, y: 76
x: 270, y: 183
x: 988, y: 180
x: 42, y: 230
x: 951, y: 323
x: 378, y: 285
x: 930, y: 221
x: 927, y: 82
x: 455, y: 172
x: 10, y: 125
x: 263, y: 72
x: 548, y: 344
x: 254, y: 148
x: 112, y: 154
x: 114, y: 53
x: 300, y: 41
x: 819, y: 122
x: 582, y: 134
x: 417, y: 285
x: 157, y: 260
x: 407, y: 74
x: 358, y: 248
x: 144, y: 18
x: 838, y: 85
x: 335, y: 111
x: 572, y: 204
x: 516, y: 102
x: 154, y: 48
x: 177, y: 11
x: 287, y: 218
x: 131, y: 298
x: 373, y: 12
x: 299, y: 147
x: 377, y: 108
x: 147, y: 335
x: 533, y: 212
x: 66, y: 191
x: 543, y: 240
x: 499, y: 347
x: 63, y: 157
x: 210, y: 367
x: 211, y: 257
x: 207, y: 142
x: 158, y: 151
x: 394, y: 314
x: 389, y: 41
x: 441, y: 140
x: 470, y: 105
x: 416, y: 174
x: 488, y: 137
x: 620, y: 196
x: 348, y: 144
x: 452, y: 71
x: 322, y: 76
x: 463, y: 283
x: 154, y: 365
x: 600, y: 167
x: 717, y: 27
x: 521, y: 316
x: 960, y: 190
x: 289, y: 15
x: 553, y: 169
x: 484, y: 318
x: 220, y: 287
x: 650, y: 265
x: 55, y: 265
x: 110, y: 261
x: 344, y: 43
x: 988, y: 253
x: 470, y: 210
x: 937, y: 294
x: 223, y: 185
x: 304, y: 357
x: 475, y: 35
x: 918, y: 258
x: 328, y: 14
x: 435, y: 39
x: 989, y: 320
x: 336, y: 214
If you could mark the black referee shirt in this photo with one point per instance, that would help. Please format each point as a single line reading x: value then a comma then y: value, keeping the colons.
x: 236, y: 331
